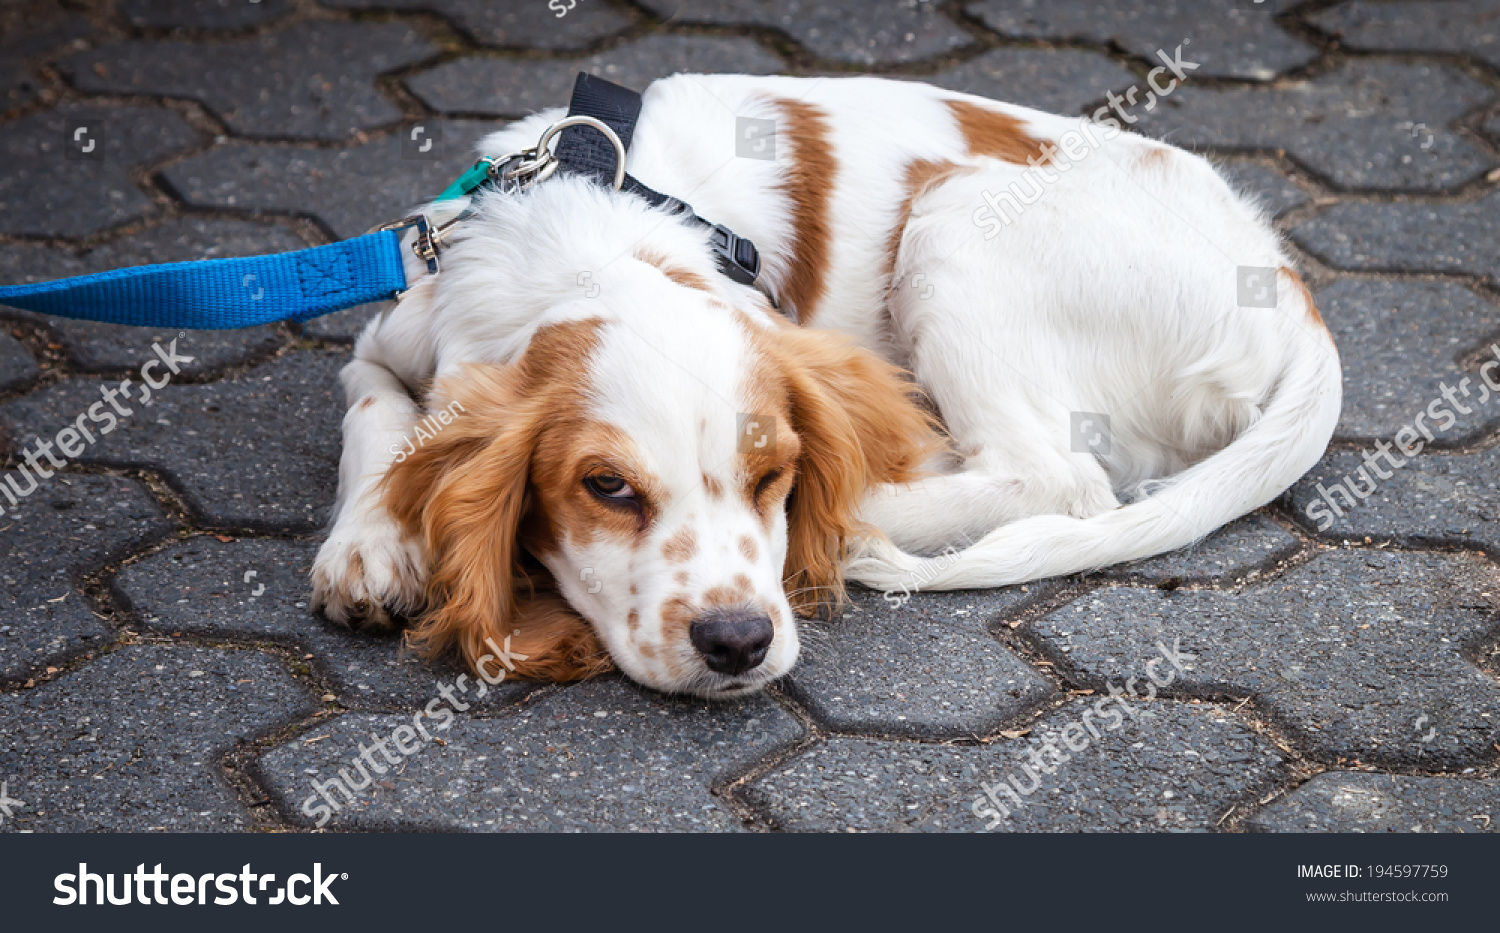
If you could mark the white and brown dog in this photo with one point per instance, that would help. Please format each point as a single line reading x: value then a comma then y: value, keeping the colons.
x: 593, y: 497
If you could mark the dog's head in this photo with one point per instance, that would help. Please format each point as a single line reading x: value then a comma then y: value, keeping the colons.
x: 659, y: 492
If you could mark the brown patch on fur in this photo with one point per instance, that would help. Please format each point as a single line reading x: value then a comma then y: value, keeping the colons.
x: 1155, y: 157
x: 1312, y: 307
x: 646, y: 651
x: 848, y: 421
x: 721, y: 596
x: 633, y: 620
x: 748, y: 549
x: 995, y: 134
x: 810, y: 178
x: 682, y: 578
x: 367, y: 401
x: 921, y: 176
x: 467, y: 494
x: 681, y: 547
x: 714, y: 487
x: 677, y: 615
x: 683, y: 277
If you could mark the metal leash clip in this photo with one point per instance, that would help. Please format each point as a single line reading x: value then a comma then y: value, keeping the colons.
x: 520, y: 170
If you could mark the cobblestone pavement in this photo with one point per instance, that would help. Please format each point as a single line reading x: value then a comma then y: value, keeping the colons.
x: 159, y: 667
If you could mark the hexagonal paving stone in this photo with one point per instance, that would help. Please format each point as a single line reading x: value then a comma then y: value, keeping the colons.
x: 1355, y: 802
x: 27, y: 31
x: 1055, y: 80
x: 902, y: 31
x: 343, y: 326
x: 68, y: 525
x: 260, y: 450
x: 349, y: 189
x: 1369, y: 124
x: 199, y: 587
x: 1471, y: 26
x: 516, y: 87
x: 52, y: 187
x: 1273, y: 190
x: 1400, y: 343
x: 527, y: 25
x: 1408, y: 236
x: 17, y: 367
x: 1163, y: 766
x: 1347, y: 651
x: 602, y: 755
x: 202, y: 14
x: 1230, y: 555
x: 921, y: 664
x: 1433, y: 499
x: 132, y: 740
x: 312, y: 80
x: 96, y: 347
x: 1230, y: 38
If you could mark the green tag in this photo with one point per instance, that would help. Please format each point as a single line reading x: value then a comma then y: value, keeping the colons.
x: 477, y: 175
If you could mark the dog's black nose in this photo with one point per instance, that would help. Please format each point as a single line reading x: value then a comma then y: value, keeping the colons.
x: 732, y: 641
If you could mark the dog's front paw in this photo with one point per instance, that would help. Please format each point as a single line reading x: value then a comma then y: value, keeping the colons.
x: 367, y: 573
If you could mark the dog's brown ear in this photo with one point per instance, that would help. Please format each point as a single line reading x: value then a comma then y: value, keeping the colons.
x: 464, y: 493
x: 860, y: 423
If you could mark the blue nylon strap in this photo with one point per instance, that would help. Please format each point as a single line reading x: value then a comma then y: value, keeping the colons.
x: 223, y: 294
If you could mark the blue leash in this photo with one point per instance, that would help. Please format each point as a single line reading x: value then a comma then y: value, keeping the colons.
x: 223, y: 294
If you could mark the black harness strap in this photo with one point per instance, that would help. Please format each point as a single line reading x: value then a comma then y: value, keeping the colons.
x: 583, y: 151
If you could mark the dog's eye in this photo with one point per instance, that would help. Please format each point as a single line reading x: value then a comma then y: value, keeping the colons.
x: 766, y: 482
x: 609, y: 486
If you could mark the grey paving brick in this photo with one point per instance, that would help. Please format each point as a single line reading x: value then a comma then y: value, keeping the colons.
x: 259, y: 450
x: 920, y: 664
x: 1347, y: 651
x: 601, y: 755
x: 312, y: 80
x: 1435, y: 498
x: 530, y: 25
x: 1272, y: 189
x: 131, y: 741
x: 1408, y: 236
x: 69, y: 525
x: 1164, y: 766
x: 17, y: 367
x: 877, y: 34
x: 1368, y: 124
x: 1399, y: 344
x: 514, y: 88
x: 28, y: 31
x: 202, y: 14
x: 1055, y: 80
x: 1471, y: 26
x: 1229, y: 555
x: 1230, y: 38
x: 51, y: 188
x: 199, y: 587
x: 96, y: 347
x: 1356, y: 802
x: 345, y: 325
x: 1493, y: 128
x: 350, y: 189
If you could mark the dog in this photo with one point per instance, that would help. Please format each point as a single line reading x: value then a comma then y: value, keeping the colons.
x: 645, y: 465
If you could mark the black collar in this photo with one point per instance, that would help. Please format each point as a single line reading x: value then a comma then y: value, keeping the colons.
x: 584, y: 151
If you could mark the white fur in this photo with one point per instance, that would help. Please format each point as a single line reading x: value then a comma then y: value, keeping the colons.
x: 1113, y: 293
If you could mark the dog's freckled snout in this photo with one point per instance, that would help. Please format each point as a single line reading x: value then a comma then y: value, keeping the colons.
x: 732, y: 641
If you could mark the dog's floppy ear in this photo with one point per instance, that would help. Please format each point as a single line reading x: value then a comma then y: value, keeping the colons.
x: 464, y: 493
x: 860, y: 422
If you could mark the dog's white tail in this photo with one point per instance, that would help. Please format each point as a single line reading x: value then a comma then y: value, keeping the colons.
x: 1257, y: 466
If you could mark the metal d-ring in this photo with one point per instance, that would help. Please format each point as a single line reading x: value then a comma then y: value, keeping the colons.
x: 564, y: 123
